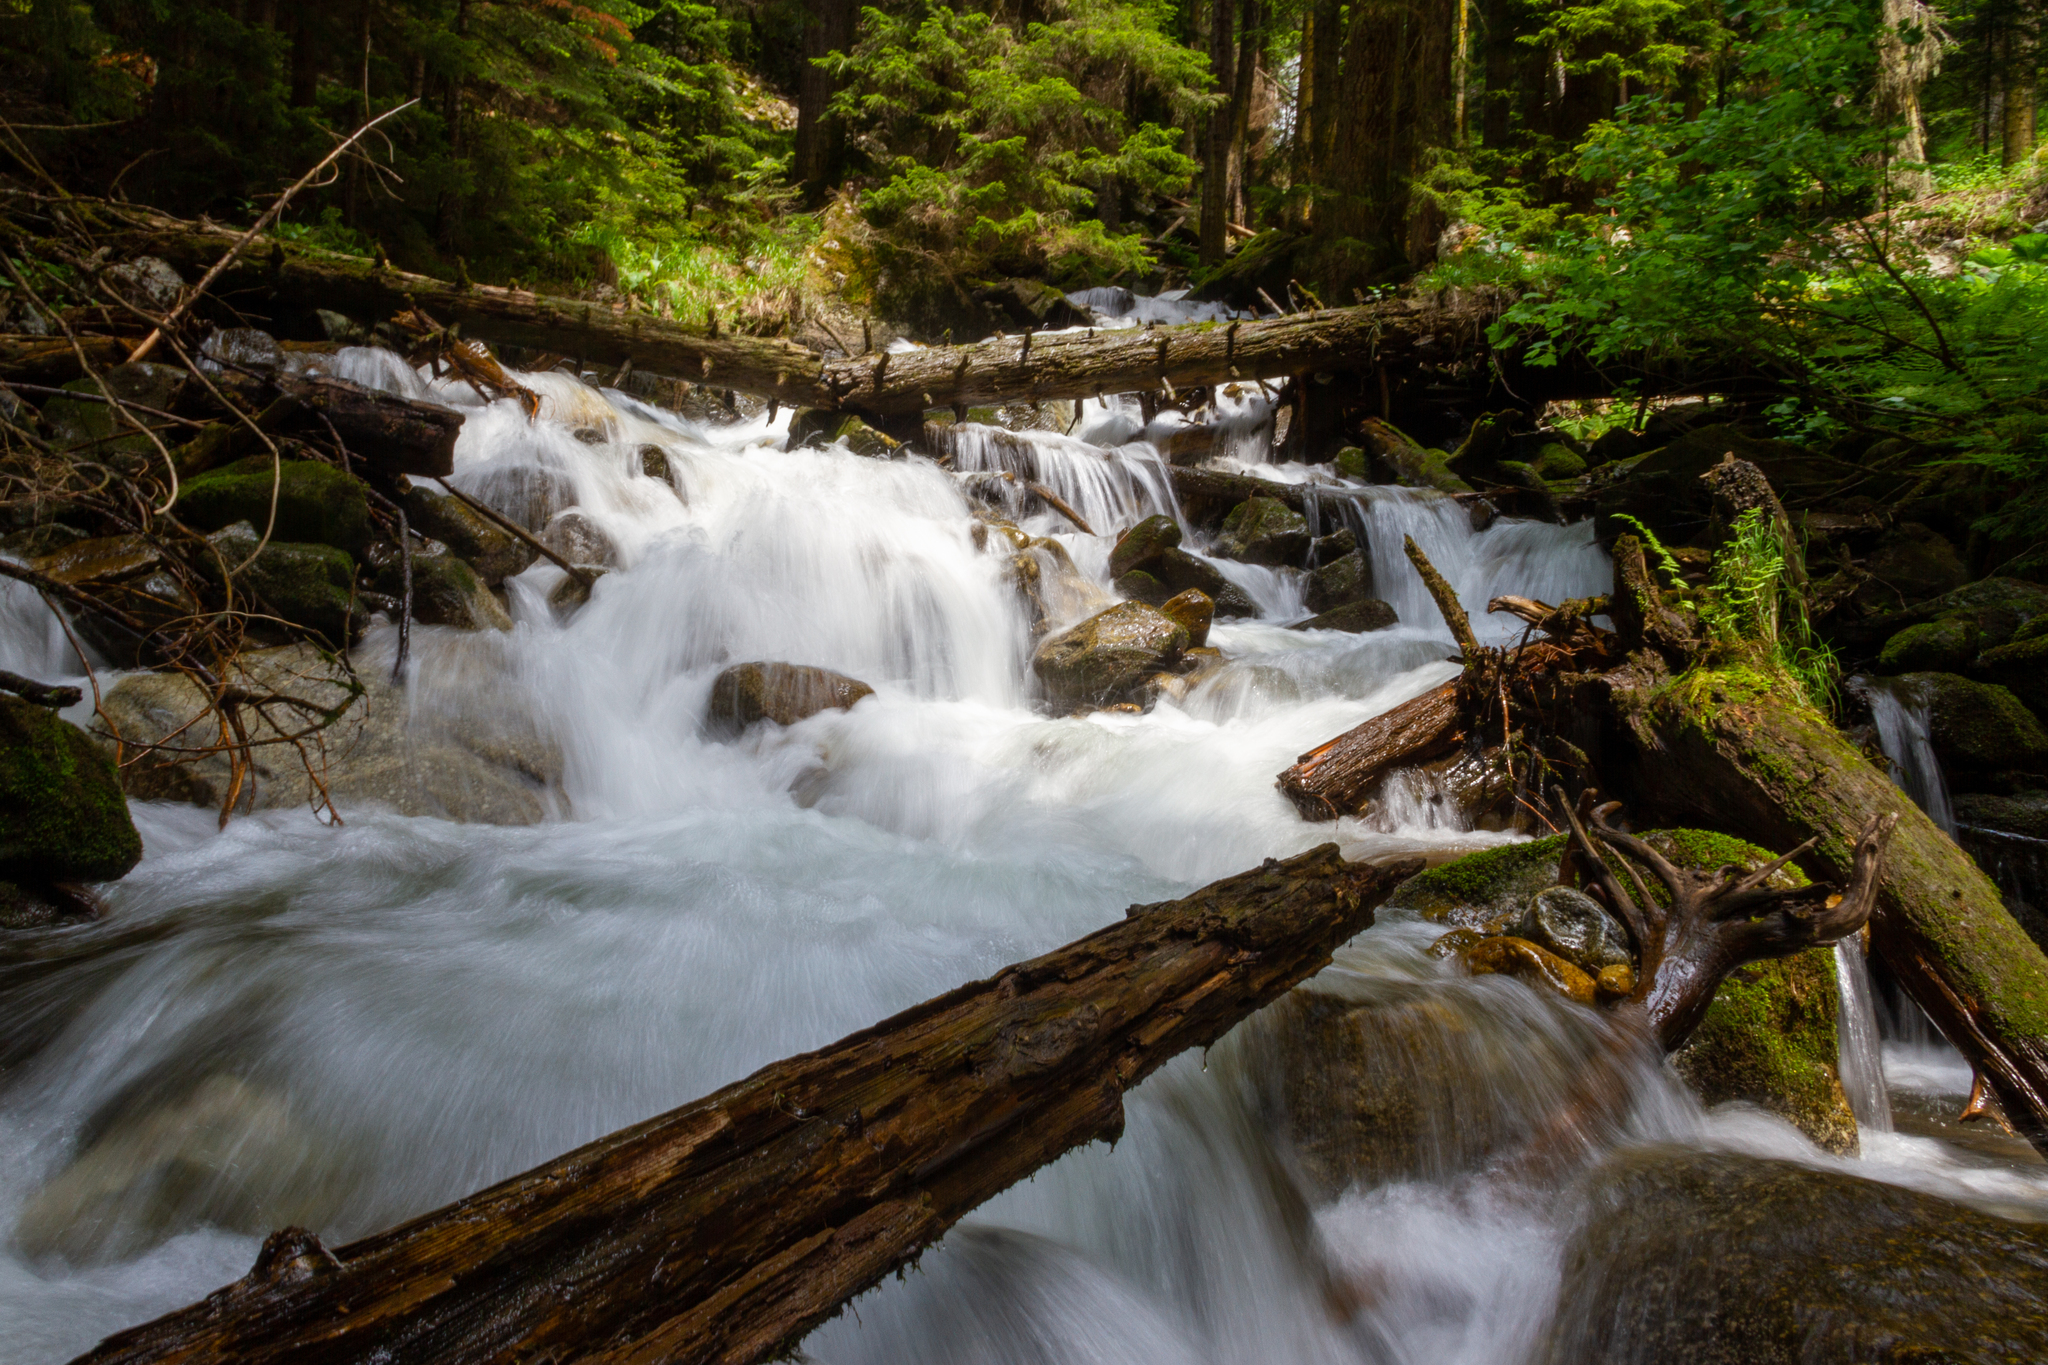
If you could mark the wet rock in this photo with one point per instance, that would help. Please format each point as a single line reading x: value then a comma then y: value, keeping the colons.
x: 1193, y: 611
x: 1510, y: 956
x: 446, y: 591
x: 307, y: 585
x: 96, y: 430
x: 1108, y: 655
x: 1488, y: 888
x: 316, y: 503
x: 60, y: 802
x: 1909, y: 565
x: 468, y: 757
x: 341, y: 329
x: 2001, y: 607
x: 128, y: 573
x: 525, y: 495
x: 248, y: 347
x: 783, y: 693
x: 1264, y: 531
x: 1455, y: 943
x: 1351, y: 463
x: 1978, y: 727
x: 1348, y: 578
x: 2021, y: 667
x: 1367, y: 613
x: 1577, y: 928
x: 42, y: 540
x: 227, y: 1154
x: 1180, y: 572
x: 1770, y: 1039
x: 1140, y: 586
x: 1191, y: 445
x: 1693, y: 1258
x: 1614, y: 983
x: 493, y: 552
x: 148, y: 282
x: 1489, y: 442
x: 2025, y: 813
x: 576, y: 537
x: 1332, y: 547
x: 654, y: 464
x: 1139, y: 546
x: 1946, y: 646
x: 1525, y: 961
x: 1408, y: 461
x: 815, y: 428
x: 573, y: 593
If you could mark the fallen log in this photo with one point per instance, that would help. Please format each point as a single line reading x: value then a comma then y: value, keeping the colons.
x: 727, y: 1229
x: 1337, y: 778
x: 1395, y: 333
x: 388, y: 434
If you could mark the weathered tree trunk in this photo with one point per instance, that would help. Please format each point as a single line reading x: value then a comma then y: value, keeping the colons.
x: 727, y: 1229
x: 1216, y: 139
x: 1337, y: 778
x: 828, y: 27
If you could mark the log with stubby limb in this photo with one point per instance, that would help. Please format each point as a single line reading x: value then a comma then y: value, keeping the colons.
x: 727, y: 1229
x: 1396, y: 333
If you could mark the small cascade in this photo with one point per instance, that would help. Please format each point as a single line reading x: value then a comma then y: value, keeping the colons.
x: 1862, y: 1054
x: 1902, y: 731
x: 1111, y: 488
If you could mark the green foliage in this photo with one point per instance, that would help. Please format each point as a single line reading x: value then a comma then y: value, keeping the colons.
x: 989, y: 147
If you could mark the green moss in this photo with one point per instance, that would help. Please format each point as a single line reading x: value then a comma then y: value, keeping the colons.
x: 316, y: 503
x: 1770, y: 1039
x: 62, y: 815
x: 1486, y: 881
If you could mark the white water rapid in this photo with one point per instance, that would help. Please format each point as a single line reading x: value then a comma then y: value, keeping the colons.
x: 287, y: 1022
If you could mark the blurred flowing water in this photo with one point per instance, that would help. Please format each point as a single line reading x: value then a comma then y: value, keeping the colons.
x: 344, y: 1027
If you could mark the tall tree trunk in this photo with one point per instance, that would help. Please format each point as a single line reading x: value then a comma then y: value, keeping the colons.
x: 448, y: 212
x: 305, y: 87
x: 1216, y: 140
x: 2016, y: 125
x: 1251, y: 38
x: 828, y: 27
x: 352, y: 185
x: 1394, y: 108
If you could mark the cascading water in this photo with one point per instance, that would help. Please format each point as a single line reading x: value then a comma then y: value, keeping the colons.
x: 1902, y: 731
x: 288, y: 1022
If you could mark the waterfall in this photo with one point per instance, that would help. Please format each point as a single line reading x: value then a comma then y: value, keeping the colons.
x: 285, y: 1022
x: 1862, y: 1054
x: 1902, y: 731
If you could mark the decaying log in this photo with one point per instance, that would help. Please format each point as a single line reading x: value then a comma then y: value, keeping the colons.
x: 1337, y: 778
x: 727, y: 1229
x: 1446, y: 598
x: 1395, y: 332
x: 51, y: 360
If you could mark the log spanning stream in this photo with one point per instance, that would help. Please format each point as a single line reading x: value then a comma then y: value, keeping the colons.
x: 286, y: 1023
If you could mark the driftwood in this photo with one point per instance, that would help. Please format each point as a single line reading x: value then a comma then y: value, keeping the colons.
x: 1394, y: 333
x: 381, y: 431
x: 727, y: 1229
x: 1337, y: 778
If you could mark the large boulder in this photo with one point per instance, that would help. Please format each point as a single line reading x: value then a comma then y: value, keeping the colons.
x: 1105, y: 658
x: 1345, y: 579
x: 1173, y: 571
x: 446, y: 591
x: 1683, y: 1257
x: 62, y: 815
x: 1945, y: 646
x: 783, y: 693
x: 1143, y: 543
x: 2000, y: 608
x: 316, y: 503
x: 308, y: 585
x: 475, y: 761
x: 1264, y: 531
x: 495, y: 553
x: 1978, y: 728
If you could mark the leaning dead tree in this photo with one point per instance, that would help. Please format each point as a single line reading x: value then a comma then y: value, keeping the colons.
x: 727, y: 1229
x: 1692, y: 717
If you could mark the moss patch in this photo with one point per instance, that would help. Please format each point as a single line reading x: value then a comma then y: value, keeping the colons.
x: 62, y: 815
x: 316, y: 503
x: 1770, y: 1039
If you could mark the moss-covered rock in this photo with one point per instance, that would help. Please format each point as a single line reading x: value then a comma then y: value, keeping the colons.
x: 1139, y: 546
x: 2021, y: 667
x: 308, y: 585
x: 1345, y: 579
x: 1351, y: 463
x: 2024, y: 813
x: 1181, y: 571
x: 1946, y: 646
x: 1264, y: 531
x: 815, y: 427
x: 493, y: 552
x: 446, y: 591
x: 1480, y: 888
x: 95, y: 429
x: 1517, y: 957
x: 1367, y: 613
x: 1978, y: 727
x: 1555, y: 460
x: 1140, y: 586
x: 1104, y: 659
x: 783, y: 693
x: 62, y: 815
x: 1694, y: 1258
x: 1409, y: 461
x: 316, y: 503
x: 1911, y: 564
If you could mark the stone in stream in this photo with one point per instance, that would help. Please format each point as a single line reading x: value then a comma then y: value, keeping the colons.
x: 1683, y: 1257
x: 1180, y: 572
x: 1945, y: 646
x: 316, y: 503
x: 1104, y: 659
x: 128, y: 572
x: 1139, y: 546
x: 1332, y: 547
x: 85, y: 422
x: 1978, y: 728
x: 1577, y: 928
x: 816, y: 428
x: 63, y: 813
x: 480, y: 760
x: 1264, y: 531
x: 495, y: 553
x: 783, y: 693
x: 308, y: 585
x: 1365, y: 614
x: 576, y: 537
x: 1518, y: 957
x: 446, y: 590
x: 1345, y: 579
x: 1194, y: 611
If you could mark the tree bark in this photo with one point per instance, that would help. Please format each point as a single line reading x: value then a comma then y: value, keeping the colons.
x: 727, y: 1229
x: 1337, y: 778
x: 829, y: 26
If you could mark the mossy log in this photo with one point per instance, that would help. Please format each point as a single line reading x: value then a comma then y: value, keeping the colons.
x: 727, y: 1229
x: 1394, y: 333
x: 1732, y: 750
